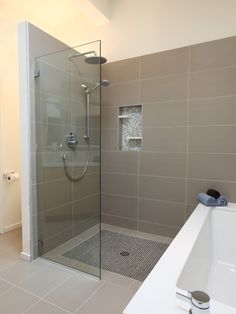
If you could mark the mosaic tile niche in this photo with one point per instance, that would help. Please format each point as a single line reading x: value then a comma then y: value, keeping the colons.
x: 130, y: 124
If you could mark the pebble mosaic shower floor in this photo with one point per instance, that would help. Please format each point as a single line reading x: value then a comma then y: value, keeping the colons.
x: 126, y: 255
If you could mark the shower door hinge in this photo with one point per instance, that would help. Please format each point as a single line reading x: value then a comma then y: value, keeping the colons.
x: 40, y: 243
x: 36, y: 73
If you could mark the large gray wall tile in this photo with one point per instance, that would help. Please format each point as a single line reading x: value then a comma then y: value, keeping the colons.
x: 109, y: 117
x: 212, y: 111
x: 219, y: 82
x: 221, y: 167
x: 165, y: 189
x: 53, y: 194
x: 120, y: 206
x: 213, y: 54
x: 173, y: 139
x: 165, y: 213
x: 119, y: 221
x: 120, y: 184
x: 166, y: 231
x: 212, y: 139
x: 121, y: 71
x: 89, y: 185
x: 121, y: 94
x: 109, y: 139
x: 163, y: 89
x: 55, y: 221
x: 122, y: 162
x: 165, y: 114
x: 165, y: 63
x: 163, y: 164
x: 86, y: 208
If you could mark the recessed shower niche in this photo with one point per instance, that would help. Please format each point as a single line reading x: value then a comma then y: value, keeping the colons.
x: 130, y: 128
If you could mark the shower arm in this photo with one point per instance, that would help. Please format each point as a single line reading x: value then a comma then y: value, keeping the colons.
x: 82, y: 54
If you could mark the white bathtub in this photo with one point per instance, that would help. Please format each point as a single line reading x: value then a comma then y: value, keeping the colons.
x: 201, y: 257
x: 211, y: 265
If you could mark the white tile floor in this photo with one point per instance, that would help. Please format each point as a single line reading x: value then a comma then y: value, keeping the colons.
x: 42, y: 287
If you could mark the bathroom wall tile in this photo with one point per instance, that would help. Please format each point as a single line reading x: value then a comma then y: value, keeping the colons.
x: 54, y: 221
x: 217, y: 53
x: 51, y: 109
x: 51, y: 243
x: 49, y: 166
x: 165, y: 63
x: 219, y: 82
x: 212, y: 139
x: 49, y: 137
x: 165, y: 189
x: 90, y: 185
x: 121, y: 94
x: 220, y: 167
x: 109, y: 139
x: 55, y: 193
x: 121, y: 71
x: 166, y: 231
x: 164, y: 89
x: 119, y: 221
x: 80, y: 226
x: 163, y: 164
x: 198, y: 186
x: 190, y: 209
x: 109, y: 117
x: 53, y: 81
x: 165, y: 114
x: 78, y: 113
x: 120, y: 184
x: 121, y: 206
x: 171, y: 214
x: 212, y: 111
x: 86, y: 208
x: 121, y: 162
x: 173, y: 139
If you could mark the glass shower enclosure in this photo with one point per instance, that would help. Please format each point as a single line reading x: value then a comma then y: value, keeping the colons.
x: 67, y: 115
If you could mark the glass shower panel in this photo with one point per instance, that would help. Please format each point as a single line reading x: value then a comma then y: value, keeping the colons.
x: 67, y: 116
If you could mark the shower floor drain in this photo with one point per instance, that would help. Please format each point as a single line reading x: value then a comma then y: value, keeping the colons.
x: 124, y: 253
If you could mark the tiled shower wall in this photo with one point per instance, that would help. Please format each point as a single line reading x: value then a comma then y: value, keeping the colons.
x: 189, y: 135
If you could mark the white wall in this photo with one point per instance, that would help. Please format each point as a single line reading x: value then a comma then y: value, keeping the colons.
x: 10, y: 213
x: 142, y: 27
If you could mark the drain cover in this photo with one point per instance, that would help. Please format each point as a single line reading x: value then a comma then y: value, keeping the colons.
x: 124, y: 253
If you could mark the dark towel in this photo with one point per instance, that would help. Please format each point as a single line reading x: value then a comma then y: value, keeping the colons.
x: 213, y: 193
x: 206, y: 200
x: 222, y: 201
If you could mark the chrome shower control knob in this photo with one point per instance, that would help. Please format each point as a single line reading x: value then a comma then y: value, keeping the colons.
x: 199, y: 300
x: 71, y: 140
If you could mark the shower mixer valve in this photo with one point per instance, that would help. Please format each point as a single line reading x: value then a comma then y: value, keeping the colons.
x: 71, y: 140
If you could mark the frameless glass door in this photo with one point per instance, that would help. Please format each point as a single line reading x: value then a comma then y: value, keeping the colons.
x: 67, y: 116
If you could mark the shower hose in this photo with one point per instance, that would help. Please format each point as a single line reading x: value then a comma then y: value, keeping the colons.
x: 69, y: 176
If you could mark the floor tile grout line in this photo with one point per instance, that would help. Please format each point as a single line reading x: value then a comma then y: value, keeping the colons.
x: 27, y: 276
x: 92, y: 294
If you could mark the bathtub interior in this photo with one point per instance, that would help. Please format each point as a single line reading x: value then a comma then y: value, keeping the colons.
x: 211, y: 265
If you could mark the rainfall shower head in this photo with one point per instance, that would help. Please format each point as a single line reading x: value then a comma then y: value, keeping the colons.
x: 95, y: 60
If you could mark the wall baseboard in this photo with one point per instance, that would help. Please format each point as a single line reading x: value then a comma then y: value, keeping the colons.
x: 12, y: 227
x: 25, y: 256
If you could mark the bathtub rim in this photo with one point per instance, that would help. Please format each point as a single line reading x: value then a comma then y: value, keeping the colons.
x: 158, y: 292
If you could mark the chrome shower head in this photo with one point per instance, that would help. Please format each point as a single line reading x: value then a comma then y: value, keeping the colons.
x: 95, y: 60
x: 105, y: 83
